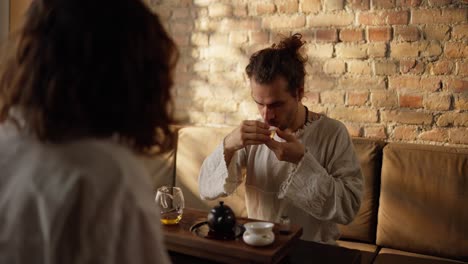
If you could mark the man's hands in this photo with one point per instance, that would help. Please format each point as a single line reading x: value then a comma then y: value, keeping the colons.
x: 291, y: 151
x: 252, y: 132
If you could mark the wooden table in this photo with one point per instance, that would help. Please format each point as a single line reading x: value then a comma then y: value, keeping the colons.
x: 186, y: 247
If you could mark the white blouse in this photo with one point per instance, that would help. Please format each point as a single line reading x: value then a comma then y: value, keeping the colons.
x: 324, y: 189
x: 88, y: 201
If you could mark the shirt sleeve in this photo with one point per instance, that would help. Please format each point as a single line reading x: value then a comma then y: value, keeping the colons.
x: 218, y: 179
x: 332, y: 192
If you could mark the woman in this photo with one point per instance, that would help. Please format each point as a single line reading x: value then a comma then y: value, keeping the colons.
x: 86, y: 88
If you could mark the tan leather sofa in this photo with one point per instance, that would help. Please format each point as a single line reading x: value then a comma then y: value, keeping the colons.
x: 415, y: 204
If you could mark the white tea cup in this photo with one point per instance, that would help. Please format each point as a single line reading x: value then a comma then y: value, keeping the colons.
x: 258, y: 233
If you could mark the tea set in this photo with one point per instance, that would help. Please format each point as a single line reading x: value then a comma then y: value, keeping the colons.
x: 222, y: 224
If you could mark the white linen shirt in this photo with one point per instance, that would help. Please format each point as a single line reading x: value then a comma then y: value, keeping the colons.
x: 88, y: 201
x: 324, y: 189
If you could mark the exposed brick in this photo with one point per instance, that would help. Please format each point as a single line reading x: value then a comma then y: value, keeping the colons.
x: 414, y: 83
x: 240, y: 10
x: 334, y: 66
x: 201, y: 66
x: 461, y: 101
x: 353, y: 130
x: 320, y: 50
x: 371, y: 18
x: 385, y: 68
x: 404, y: 50
x: 315, y: 67
x: 213, y: 105
x: 441, y: 67
x: 354, y: 114
x: 384, y: 99
x: 458, y: 135
x: 361, y: 82
x: 326, y: 35
x: 436, y: 134
x: 462, y: 68
x: 406, y: 33
x: 331, y: 5
x: 436, y: 3
x: 310, y: 6
x: 180, y: 13
x: 312, y: 97
x: 375, y: 132
x: 411, y: 66
x: 348, y: 51
x: 460, y: 32
x: 405, y: 132
x: 263, y: 9
x: 229, y: 25
x: 410, y: 100
x: 359, y: 67
x: 456, y: 50
x: 322, y: 83
x: 219, y: 39
x: 384, y: 18
x: 431, y: 84
x: 430, y: 48
x: 359, y: 4
x: 357, y: 98
x: 379, y: 34
x: 283, y: 21
x: 376, y: 50
x: 258, y: 37
x: 404, y: 83
x: 457, y: 85
x: 437, y: 102
x: 202, y: 2
x: 181, y: 27
x: 351, y: 35
x: 379, y: 4
x: 199, y: 39
x: 453, y: 119
x: 438, y: 16
x: 181, y: 40
x: 397, y: 17
x: 332, y: 97
x: 219, y: 10
x: 436, y: 32
x: 408, y: 3
x: 287, y: 6
x: 335, y: 19
x: 238, y: 37
x: 406, y: 117
x: 218, y: 51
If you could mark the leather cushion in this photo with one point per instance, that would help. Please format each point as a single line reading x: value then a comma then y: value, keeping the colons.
x: 193, y: 146
x: 423, y: 200
x: 363, y: 227
x: 392, y: 256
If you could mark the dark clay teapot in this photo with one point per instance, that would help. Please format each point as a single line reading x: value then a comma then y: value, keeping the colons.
x: 221, y: 219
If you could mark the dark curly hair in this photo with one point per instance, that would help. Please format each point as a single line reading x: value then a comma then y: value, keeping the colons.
x: 283, y: 59
x: 86, y: 68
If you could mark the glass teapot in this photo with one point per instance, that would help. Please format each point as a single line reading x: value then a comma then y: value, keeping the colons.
x: 221, y: 219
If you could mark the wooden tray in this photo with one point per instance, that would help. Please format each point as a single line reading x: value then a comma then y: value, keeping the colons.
x: 178, y: 238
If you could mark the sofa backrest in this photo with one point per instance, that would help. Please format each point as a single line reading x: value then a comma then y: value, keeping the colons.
x: 363, y: 227
x: 424, y: 200
x: 193, y: 146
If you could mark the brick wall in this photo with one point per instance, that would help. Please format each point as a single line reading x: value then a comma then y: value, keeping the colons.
x: 389, y: 69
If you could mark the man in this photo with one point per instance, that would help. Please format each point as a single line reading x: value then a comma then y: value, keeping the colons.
x: 308, y: 170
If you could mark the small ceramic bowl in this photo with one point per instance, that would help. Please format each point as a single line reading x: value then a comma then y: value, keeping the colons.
x: 258, y: 233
